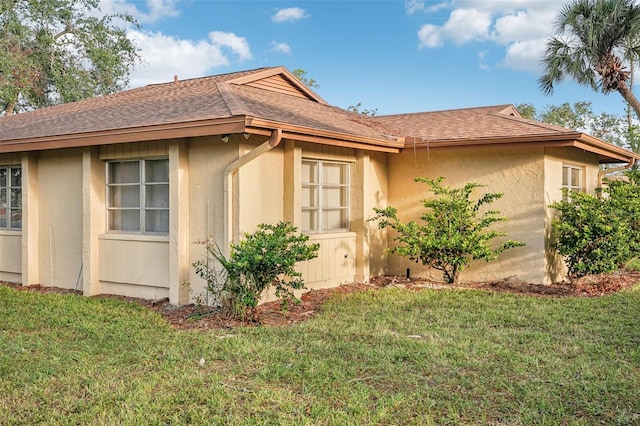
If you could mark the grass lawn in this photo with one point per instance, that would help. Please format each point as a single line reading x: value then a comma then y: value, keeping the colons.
x: 389, y: 356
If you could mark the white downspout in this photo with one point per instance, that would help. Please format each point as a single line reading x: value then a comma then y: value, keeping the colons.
x: 604, y: 172
x: 274, y: 140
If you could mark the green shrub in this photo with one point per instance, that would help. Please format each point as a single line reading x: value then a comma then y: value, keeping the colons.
x: 263, y: 259
x: 599, y: 234
x: 454, y: 231
x: 625, y: 199
x: 590, y: 233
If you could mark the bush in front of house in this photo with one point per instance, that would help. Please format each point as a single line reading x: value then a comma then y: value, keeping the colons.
x: 263, y: 259
x: 599, y: 234
x: 454, y: 229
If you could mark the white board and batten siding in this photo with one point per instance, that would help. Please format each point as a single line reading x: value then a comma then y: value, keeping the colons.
x: 10, y: 241
x: 336, y: 261
x: 131, y: 264
x: 335, y: 264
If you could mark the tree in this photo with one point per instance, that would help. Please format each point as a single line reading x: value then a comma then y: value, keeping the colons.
x: 455, y: 230
x: 592, y: 39
x: 580, y: 116
x: 302, y: 76
x: 357, y: 110
x: 59, y: 51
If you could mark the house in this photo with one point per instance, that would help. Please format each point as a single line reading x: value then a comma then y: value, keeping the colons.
x: 114, y: 195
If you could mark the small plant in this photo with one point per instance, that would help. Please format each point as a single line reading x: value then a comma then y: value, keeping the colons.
x: 263, y: 259
x: 454, y: 231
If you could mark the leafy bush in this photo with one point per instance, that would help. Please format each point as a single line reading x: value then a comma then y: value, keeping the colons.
x: 454, y: 232
x: 599, y: 234
x: 589, y: 233
x: 263, y: 259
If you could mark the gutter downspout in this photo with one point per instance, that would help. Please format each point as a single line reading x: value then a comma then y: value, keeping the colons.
x: 274, y: 140
x: 604, y: 172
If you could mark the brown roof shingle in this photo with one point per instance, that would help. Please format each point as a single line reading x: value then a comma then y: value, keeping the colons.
x: 183, y: 101
x: 492, y: 122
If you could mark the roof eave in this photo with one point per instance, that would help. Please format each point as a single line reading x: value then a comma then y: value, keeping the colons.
x: 607, y: 153
x: 136, y: 134
x: 305, y: 134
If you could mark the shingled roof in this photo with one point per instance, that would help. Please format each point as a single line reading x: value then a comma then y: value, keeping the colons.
x: 251, y: 101
x: 262, y: 100
x: 492, y: 125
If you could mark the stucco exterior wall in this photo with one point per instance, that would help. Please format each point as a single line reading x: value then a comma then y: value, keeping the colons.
x: 208, y: 158
x: 554, y: 159
x: 516, y: 172
x: 60, y: 217
x: 261, y: 189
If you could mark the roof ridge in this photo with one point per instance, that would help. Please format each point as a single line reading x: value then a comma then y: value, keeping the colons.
x: 229, y: 98
x: 215, y: 77
x: 536, y: 123
x: 447, y: 110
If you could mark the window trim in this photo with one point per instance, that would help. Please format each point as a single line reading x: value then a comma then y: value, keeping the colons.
x: 9, y: 208
x: 571, y: 186
x: 320, y: 185
x: 142, y: 185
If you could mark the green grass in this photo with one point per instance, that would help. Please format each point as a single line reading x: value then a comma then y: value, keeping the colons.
x: 379, y: 357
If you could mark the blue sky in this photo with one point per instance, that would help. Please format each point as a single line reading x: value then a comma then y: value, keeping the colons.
x: 392, y: 56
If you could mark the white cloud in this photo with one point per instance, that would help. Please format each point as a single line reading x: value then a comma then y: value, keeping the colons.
x: 274, y: 46
x: 467, y: 24
x: 413, y: 6
x: 430, y: 36
x: 289, y: 14
x: 462, y: 26
x: 165, y: 56
x: 155, y: 10
x: 522, y: 26
x: 237, y: 45
x: 525, y: 55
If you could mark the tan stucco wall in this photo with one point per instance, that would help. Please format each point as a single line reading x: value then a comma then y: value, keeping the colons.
x: 555, y: 158
x: 517, y: 172
x: 208, y: 158
x: 60, y: 219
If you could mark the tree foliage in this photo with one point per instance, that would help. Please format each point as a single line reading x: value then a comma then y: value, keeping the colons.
x: 592, y: 40
x: 599, y: 234
x: 302, y: 76
x: 580, y: 116
x: 357, y: 108
x: 454, y: 230
x: 261, y: 260
x: 58, y: 51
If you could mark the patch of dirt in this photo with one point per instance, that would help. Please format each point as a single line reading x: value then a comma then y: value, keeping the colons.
x: 270, y: 314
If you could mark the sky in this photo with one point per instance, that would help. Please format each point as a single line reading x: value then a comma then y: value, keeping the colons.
x: 390, y: 56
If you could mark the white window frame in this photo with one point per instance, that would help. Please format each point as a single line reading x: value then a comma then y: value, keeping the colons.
x: 142, y: 208
x: 8, y: 188
x: 320, y: 187
x: 570, y: 184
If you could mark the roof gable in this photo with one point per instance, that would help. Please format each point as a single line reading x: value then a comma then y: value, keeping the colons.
x: 280, y: 80
x: 242, y: 102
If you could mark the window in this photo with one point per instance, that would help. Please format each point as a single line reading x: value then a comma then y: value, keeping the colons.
x: 572, y: 177
x: 138, y: 196
x: 325, y: 196
x: 11, y: 197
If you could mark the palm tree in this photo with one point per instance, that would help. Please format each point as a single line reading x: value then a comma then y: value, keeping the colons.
x: 592, y: 38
